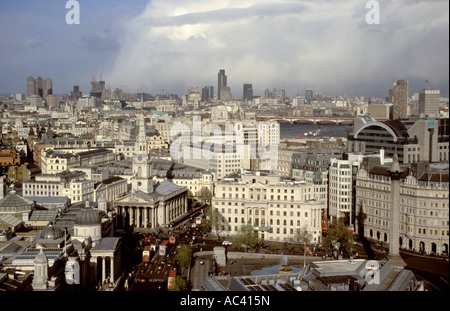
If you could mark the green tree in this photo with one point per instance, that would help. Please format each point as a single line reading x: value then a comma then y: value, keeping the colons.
x: 184, y: 254
x: 339, y: 238
x: 274, y: 246
x: 178, y: 284
x: 215, y: 221
x: 204, y: 195
x: 247, y: 238
x: 298, y: 241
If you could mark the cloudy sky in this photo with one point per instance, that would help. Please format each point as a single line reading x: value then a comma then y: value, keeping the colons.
x: 278, y: 44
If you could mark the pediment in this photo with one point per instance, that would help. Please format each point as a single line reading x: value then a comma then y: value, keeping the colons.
x: 134, y: 198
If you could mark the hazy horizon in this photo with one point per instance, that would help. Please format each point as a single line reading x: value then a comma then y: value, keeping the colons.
x: 285, y: 44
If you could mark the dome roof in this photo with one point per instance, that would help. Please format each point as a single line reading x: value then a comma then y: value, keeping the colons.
x: 86, y: 217
x: 51, y: 233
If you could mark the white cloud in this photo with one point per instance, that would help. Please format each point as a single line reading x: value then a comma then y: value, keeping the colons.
x: 286, y: 44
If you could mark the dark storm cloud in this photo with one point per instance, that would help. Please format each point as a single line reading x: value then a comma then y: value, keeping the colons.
x: 326, y: 45
x: 105, y: 40
x: 31, y: 43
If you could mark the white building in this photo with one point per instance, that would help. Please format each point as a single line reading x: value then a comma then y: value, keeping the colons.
x: 340, y: 189
x: 72, y: 185
x: 341, y: 179
x: 277, y: 208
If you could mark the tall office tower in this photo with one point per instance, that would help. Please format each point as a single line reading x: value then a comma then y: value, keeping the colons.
x: 98, y: 89
x: 309, y: 95
x: 248, y: 92
x: 400, y: 100
x: 75, y: 94
x: 52, y: 102
x: 221, y: 82
x: 40, y: 87
x: 48, y: 87
x: 31, y: 86
x: 391, y: 95
x: 205, y: 94
x: 281, y: 95
x: 211, y: 91
x: 429, y: 102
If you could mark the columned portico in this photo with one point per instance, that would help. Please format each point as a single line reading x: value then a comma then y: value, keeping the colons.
x: 140, y: 210
x: 107, y: 254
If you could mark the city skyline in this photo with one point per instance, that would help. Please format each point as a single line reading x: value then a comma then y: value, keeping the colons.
x: 292, y: 45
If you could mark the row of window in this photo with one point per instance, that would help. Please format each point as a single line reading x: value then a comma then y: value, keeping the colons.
x: 271, y: 212
x: 41, y: 186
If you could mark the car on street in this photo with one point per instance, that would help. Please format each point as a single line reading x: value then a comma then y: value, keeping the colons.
x: 226, y: 243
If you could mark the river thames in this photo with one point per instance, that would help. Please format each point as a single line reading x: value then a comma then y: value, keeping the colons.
x: 298, y: 130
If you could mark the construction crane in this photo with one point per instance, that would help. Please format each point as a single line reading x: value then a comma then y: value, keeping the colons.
x: 94, y: 75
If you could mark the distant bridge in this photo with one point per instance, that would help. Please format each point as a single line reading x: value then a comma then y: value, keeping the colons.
x: 311, y: 120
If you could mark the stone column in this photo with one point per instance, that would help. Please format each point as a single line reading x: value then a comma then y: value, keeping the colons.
x: 145, y: 217
x: 124, y: 214
x: 103, y: 269
x: 131, y: 215
x: 112, y: 268
x: 165, y: 209
x: 152, y: 217
x: 394, y: 217
x: 394, y: 213
x: 138, y: 217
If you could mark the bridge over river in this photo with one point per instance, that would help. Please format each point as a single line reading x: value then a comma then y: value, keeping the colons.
x: 309, y: 119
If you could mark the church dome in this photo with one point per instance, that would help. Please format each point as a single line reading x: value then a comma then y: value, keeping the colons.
x: 51, y: 233
x: 87, y: 217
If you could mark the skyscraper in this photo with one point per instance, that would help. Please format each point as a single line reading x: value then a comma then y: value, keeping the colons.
x: 39, y: 87
x: 205, y: 94
x: 428, y: 102
x: 221, y: 82
x: 98, y: 89
x: 31, y: 86
x: 400, y: 100
x: 309, y: 95
x: 247, y: 92
x: 48, y: 87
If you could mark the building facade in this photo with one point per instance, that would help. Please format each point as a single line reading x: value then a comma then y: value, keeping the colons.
x: 423, y: 140
x: 423, y: 198
x: 429, y: 103
x: 400, y: 100
x: 276, y: 208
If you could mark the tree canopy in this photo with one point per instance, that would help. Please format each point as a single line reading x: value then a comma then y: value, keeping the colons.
x: 246, y: 238
x: 299, y: 239
x: 214, y: 221
x: 178, y: 284
x: 339, y: 238
x: 183, y: 255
